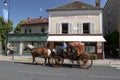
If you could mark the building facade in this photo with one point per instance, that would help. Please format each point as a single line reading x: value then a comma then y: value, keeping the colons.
x: 0, y: 47
x: 111, y: 14
x: 78, y: 21
x: 33, y: 31
x: 33, y: 26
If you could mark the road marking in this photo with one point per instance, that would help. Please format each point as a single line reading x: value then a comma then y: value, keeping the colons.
x: 112, y: 77
x: 117, y: 66
x: 57, y: 74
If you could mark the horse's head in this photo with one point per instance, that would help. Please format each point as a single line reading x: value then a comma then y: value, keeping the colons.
x: 28, y: 46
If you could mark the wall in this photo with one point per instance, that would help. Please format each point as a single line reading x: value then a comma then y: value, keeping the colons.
x: 0, y: 47
x: 111, y: 16
x: 35, y: 28
x: 74, y: 17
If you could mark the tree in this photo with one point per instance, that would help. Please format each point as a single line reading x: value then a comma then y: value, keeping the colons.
x: 18, y: 27
x: 4, y: 29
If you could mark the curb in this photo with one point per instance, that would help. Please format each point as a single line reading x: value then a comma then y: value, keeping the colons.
x: 28, y: 59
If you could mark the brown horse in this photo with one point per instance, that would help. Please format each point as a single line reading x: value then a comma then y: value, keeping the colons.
x: 44, y: 52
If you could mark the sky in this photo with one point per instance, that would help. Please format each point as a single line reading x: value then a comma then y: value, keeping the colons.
x: 22, y: 9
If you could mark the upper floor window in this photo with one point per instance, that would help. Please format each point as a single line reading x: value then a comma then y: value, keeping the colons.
x: 108, y: 12
x: 81, y: 28
x: 42, y: 30
x: 86, y: 28
x: 27, y: 31
x: 65, y: 28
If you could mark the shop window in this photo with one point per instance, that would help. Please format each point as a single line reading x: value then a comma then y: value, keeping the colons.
x: 90, y: 47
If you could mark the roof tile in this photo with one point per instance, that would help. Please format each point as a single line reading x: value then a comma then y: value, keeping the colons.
x: 35, y: 21
x: 77, y: 5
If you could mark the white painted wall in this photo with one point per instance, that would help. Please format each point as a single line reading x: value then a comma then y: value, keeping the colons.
x: 75, y: 17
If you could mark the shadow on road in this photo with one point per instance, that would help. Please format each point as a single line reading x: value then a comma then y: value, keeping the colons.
x: 50, y: 65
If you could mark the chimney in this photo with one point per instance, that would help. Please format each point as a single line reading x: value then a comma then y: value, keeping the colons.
x: 29, y: 19
x: 41, y: 17
x: 97, y: 3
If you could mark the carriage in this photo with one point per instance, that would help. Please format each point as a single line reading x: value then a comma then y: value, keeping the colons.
x: 74, y: 52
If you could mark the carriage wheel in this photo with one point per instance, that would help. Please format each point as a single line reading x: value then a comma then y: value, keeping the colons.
x: 85, y: 61
x: 57, y: 61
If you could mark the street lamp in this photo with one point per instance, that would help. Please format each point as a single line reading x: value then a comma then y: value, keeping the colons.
x: 5, y: 3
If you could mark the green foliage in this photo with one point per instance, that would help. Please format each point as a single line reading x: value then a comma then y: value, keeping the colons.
x: 4, y: 29
x: 18, y: 27
x: 94, y: 56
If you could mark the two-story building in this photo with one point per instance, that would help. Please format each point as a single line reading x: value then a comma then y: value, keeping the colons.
x: 33, y: 31
x: 78, y: 21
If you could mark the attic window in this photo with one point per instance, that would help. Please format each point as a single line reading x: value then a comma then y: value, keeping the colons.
x: 83, y: 7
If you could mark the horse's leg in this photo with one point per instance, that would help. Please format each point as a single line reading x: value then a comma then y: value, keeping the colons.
x: 45, y: 61
x: 33, y: 59
x: 48, y: 60
x: 72, y: 63
x: 72, y: 59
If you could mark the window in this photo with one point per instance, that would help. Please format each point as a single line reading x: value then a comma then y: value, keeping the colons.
x: 42, y: 30
x: 65, y: 28
x: 108, y: 12
x: 86, y: 28
x: 90, y: 47
x: 27, y: 31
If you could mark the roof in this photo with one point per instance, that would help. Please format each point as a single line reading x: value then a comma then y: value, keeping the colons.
x: 77, y: 5
x: 35, y: 21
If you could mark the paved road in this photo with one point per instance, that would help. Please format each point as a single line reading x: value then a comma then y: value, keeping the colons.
x: 116, y: 66
x: 27, y: 71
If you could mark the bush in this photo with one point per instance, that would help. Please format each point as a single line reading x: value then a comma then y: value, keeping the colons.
x: 94, y: 56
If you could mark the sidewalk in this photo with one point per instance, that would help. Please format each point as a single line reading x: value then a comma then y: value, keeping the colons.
x: 105, y: 62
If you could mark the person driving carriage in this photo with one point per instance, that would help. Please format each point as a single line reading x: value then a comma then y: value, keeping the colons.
x: 64, y: 47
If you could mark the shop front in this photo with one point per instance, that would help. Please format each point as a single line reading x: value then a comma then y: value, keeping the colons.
x: 93, y: 44
x: 21, y: 40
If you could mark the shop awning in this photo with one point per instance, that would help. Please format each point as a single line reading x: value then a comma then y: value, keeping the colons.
x: 27, y: 37
x: 77, y: 38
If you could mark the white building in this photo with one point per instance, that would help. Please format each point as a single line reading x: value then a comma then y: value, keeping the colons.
x: 78, y: 21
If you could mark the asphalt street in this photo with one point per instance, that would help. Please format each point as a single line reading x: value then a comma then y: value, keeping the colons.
x: 27, y: 71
